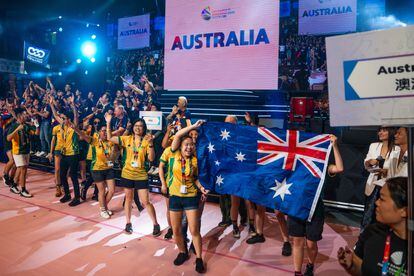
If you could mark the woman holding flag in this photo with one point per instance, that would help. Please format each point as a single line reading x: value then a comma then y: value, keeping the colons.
x: 184, y: 188
x: 311, y: 231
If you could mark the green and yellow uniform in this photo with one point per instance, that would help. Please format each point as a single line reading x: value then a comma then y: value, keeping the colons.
x: 56, y: 132
x: 101, y: 152
x: 135, y: 152
x: 165, y: 157
x: 21, y: 140
x: 89, y: 155
x: 182, y: 171
x: 70, y: 141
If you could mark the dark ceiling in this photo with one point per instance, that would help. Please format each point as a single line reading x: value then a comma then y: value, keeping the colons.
x: 77, y: 9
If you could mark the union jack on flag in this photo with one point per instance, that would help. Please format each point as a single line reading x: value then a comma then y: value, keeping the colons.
x: 279, y: 169
x: 292, y: 150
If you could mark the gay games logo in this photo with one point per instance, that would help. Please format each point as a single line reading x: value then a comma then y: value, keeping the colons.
x: 206, y: 13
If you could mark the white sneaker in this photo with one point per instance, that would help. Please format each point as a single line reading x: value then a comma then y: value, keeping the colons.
x: 14, y: 189
x: 42, y: 154
x: 105, y: 214
x: 155, y: 172
x: 25, y: 193
x: 110, y: 212
x: 37, y: 153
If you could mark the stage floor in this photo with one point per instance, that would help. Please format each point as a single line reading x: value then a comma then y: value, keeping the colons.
x: 41, y: 236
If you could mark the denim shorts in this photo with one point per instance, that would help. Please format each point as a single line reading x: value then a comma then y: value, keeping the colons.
x: 178, y: 203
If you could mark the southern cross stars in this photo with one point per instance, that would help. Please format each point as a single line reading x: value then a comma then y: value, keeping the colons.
x: 240, y: 156
x: 219, y: 180
x: 225, y: 134
x: 281, y: 189
x: 211, y: 147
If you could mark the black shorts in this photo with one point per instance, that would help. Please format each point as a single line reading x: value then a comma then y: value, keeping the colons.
x: 82, y: 155
x: 311, y: 230
x: 133, y: 184
x: 100, y: 176
x: 178, y: 203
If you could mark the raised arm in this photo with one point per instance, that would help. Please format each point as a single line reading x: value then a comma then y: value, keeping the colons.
x: 14, y: 132
x: 52, y: 106
x: 151, y: 152
x: 114, y: 139
x: 52, y: 87
x: 151, y: 85
x: 177, y: 138
x: 39, y: 89
x: 132, y: 86
x: 82, y: 135
x: 338, y: 167
x: 166, y: 138
x: 173, y: 112
x: 74, y: 110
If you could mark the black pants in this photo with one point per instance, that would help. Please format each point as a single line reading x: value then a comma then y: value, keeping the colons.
x: 225, y: 207
x: 72, y: 163
x: 369, y: 216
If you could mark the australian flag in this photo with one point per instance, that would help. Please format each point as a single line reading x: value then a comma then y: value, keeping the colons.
x: 279, y: 169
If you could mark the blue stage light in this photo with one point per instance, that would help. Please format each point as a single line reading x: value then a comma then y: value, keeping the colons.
x: 88, y: 49
x: 93, y: 36
x: 93, y: 60
x: 78, y: 60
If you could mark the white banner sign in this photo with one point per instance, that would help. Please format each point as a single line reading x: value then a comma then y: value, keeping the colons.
x: 327, y: 16
x: 153, y: 119
x: 134, y: 32
x: 371, y: 78
x: 389, y: 77
x: 219, y: 44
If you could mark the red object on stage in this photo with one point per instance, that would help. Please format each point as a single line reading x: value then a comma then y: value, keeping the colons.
x: 301, y: 108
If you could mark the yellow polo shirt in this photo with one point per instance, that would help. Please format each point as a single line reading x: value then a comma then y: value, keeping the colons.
x: 101, y: 153
x: 134, y: 150
x: 176, y: 175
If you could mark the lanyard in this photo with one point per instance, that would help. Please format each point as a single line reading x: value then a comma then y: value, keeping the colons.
x: 135, y: 149
x: 184, y: 176
x: 106, y: 150
x: 386, y: 259
x: 64, y: 132
x: 386, y: 256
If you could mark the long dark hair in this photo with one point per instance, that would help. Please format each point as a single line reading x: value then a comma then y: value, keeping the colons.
x: 143, y: 123
x: 391, y: 138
